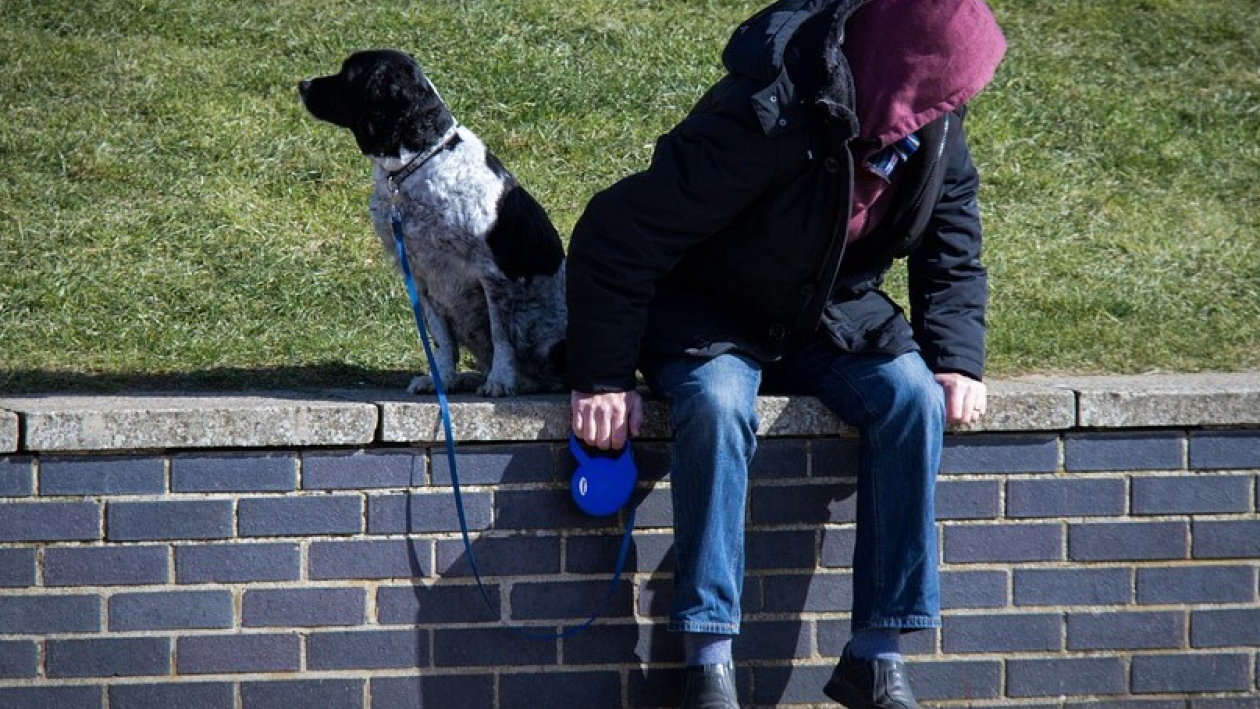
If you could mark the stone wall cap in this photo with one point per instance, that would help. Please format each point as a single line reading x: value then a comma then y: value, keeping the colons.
x: 143, y: 421
x: 1134, y: 401
x: 184, y: 420
x: 8, y: 432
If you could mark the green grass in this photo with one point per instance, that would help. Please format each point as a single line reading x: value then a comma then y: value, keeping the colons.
x: 169, y: 216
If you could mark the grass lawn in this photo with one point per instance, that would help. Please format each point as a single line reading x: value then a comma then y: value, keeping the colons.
x: 169, y: 216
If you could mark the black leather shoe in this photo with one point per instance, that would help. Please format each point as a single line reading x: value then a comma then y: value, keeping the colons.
x: 870, y: 684
x: 710, y: 687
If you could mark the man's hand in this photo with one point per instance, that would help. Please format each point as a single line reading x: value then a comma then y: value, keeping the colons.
x: 606, y: 420
x: 964, y: 398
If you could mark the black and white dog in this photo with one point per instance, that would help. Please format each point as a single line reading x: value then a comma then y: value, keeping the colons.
x: 488, y: 262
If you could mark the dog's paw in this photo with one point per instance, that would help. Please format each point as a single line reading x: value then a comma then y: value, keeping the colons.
x: 497, y: 388
x: 422, y: 384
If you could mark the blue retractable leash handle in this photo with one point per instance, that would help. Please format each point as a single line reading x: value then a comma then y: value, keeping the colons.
x: 602, y: 480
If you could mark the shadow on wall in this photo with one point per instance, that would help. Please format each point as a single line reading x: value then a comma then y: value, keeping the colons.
x: 547, y: 568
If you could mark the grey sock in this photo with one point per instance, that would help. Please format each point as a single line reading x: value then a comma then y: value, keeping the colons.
x: 707, y: 648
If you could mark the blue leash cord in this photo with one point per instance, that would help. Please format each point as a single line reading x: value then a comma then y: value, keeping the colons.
x: 414, y: 294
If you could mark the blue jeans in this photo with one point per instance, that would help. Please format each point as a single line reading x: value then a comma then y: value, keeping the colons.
x: 899, y: 410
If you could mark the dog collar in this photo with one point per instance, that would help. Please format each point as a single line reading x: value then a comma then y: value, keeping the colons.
x: 398, y: 177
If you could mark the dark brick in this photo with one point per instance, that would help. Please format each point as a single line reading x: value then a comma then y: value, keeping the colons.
x: 1003, y: 542
x: 17, y: 568
x: 376, y: 559
x: 1197, y: 584
x: 426, y: 512
x: 367, y: 650
x: 968, y: 499
x: 1225, y: 450
x: 51, y: 698
x: 1179, y: 674
x: 1234, y: 539
x: 1124, y: 451
x: 1000, y: 453
x: 773, y: 640
x: 622, y: 644
x: 494, y: 465
x: 235, y: 563
x: 1244, y: 701
x: 834, y: 457
x: 362, y: 470
x: 1050, y: 678
x: 46, y: 615
x: 1127, y: 541
x: 1073, y: 587
x: 810, y: 503
x: 297, y: 516
x: 187, y: 695
x: 106, y: 566
x: 1065, y: 498
x: 958, y: 680
x: 108, y: 657
x: 766, y: 550
x: 833, y: 635
x: 423, y: 605
x: 837, y: 547
x: 50, y: 521
x: 170, y: 610
x: 114, y: 475
x: 655, y: 510
x: 445, y: 691
x: 234, y: 472
x: 1125, y: 630
x: 1191, y: 494
x: 569, y: 600
x: 305, y: 607
x: 589, y: 554
x: 17, y: 477
x: 239, y: 653
x: 194, y: 519
x: 18, y: 659
x: 541, y: 509
x: 1003, y: 633
x: 810, y: 593
x: 489, y: 647
x: 563, y: 690
x: 779, y: 459
x: 973, y: 589
x: 790, y: 686
x: 303, y: 694
x: 509, y: 556
x: 1225, y: 628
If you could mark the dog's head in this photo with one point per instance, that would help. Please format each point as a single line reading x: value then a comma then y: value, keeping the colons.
x: 384, y: 98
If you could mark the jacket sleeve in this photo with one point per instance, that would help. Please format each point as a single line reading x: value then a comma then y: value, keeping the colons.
x: 948, y: 284
x: 703, y: 174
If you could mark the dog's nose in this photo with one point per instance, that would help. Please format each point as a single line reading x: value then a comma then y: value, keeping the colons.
x: 304, y: 86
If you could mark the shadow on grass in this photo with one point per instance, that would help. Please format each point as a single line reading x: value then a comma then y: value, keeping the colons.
x: 329, y: 375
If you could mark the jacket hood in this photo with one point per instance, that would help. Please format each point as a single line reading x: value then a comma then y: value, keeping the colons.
x: 913, y: 61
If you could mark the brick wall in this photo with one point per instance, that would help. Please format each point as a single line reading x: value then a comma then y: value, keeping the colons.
x: 1099, y: 537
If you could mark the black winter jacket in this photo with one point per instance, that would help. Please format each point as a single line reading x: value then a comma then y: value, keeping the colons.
x: 733, y: 239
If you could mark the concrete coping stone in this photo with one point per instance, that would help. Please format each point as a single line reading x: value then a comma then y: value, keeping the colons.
x: 8, y: 432
x: 145, y: 421
x: 161, y: 421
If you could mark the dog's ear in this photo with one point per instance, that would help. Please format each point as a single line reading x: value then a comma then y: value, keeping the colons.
x: 403, y: 110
